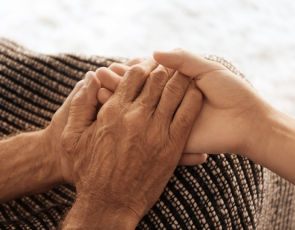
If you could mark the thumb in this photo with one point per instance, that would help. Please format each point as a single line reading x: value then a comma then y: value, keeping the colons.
x: 83, y: 111
x: 185, y: 62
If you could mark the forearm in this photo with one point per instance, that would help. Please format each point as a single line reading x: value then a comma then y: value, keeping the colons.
x: 26, y: 166
x: 274, y: 144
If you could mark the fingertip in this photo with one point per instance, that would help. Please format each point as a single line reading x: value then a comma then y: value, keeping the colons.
x: 90, y: 78
x: 108, y: 78
x: 172, y: 59
x: 101, y: 72
x: 119, y: 69
x: 157, y: 54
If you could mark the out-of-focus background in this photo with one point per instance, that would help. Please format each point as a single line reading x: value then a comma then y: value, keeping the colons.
x: 257, y: 36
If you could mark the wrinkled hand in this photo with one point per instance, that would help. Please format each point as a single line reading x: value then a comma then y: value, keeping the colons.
x: 54, y: 130
x: 124, y: 156
x: 232, y: 110
x: 110, y: 78
x: 53, y: 135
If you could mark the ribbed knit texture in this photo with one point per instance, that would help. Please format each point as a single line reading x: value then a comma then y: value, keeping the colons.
x: 226, y: 192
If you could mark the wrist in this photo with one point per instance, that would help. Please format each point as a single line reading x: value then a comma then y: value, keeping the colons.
x: 50, y: 155
x: 91, y: 212
x: 259, y: 133
x: 27, y: 167
x: 274, y: 144
x: 55, y: 150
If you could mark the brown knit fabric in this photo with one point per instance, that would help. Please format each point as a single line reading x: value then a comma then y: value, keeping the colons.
x: 226, y: 192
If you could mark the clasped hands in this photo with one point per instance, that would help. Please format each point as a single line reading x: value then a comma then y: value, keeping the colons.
x: 156, y: 114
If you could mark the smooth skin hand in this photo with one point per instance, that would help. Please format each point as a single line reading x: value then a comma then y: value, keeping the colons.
x: 125, y: 154
x: 111, y: 77
x: 228, y: 102
x: 234, y: 118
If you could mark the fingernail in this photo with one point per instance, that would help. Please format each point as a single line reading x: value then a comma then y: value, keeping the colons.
x: 87, y: 79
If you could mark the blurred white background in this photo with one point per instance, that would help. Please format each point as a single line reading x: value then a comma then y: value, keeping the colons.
x: 257, y: 36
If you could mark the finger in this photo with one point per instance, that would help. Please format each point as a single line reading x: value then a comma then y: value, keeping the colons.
x: 131, y: 85
x: 190, y: 159
x: 186, y: 115
x: 103, y: 95
x: 134, y: 61
x: 172, y: 96
x: 153, y: 88
x: 119, y: 69
x: 83, y: 111
x: 188, y: 63
x: 65, y: 108
x: 108, y: 78
x: 84, y: 104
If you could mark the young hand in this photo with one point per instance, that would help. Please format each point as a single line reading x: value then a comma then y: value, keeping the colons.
x: 232, y: 110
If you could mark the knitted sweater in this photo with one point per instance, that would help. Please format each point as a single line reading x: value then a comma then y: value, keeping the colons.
x: 226, y: 192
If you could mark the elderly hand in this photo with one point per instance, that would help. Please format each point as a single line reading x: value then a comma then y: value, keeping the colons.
x: 124, y: 156
x: 59, y: 120
x: 110, y: 78
x: 53, y: 134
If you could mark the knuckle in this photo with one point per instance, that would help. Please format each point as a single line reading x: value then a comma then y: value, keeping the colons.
x: 79, y: 98
x: 108, y: 111
x: 136, y: 70
x: 185, y: 118
x: 159, y: 76
x: 174, y: 90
